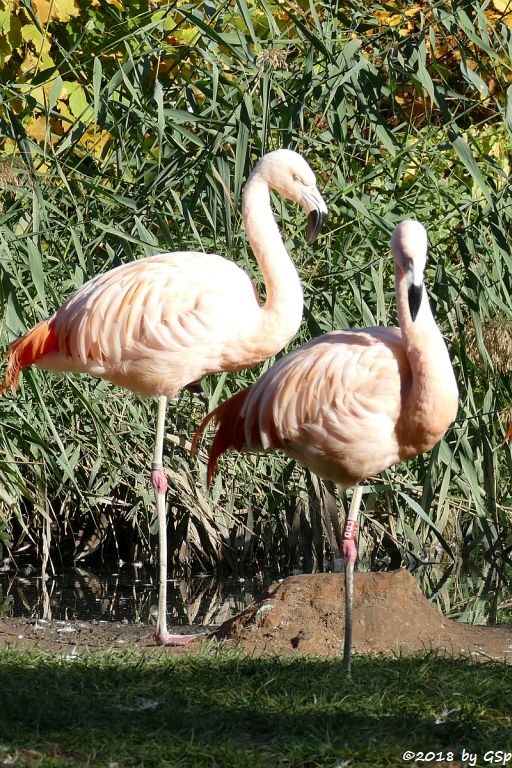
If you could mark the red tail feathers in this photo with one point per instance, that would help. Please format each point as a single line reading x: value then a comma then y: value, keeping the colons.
x: 28, y: 349
x: 229, y: 430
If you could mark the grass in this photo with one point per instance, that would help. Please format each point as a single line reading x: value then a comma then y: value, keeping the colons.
x: 226, y: 709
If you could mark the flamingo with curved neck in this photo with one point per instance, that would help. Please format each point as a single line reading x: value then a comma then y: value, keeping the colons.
x: 351, y: 403
x: 164, y: 322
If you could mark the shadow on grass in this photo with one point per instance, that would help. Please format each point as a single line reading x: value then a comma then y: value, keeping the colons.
x: 219, y: 708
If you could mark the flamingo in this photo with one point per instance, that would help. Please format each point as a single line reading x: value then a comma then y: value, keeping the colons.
x: 164, y: 322
x: 351, y: 403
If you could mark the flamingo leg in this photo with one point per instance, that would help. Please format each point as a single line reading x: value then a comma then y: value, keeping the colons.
x: 350, y: 556
x: 159, y: 482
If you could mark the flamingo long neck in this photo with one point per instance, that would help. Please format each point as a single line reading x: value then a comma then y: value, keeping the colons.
x: 430, y: 405
x: 281, y: 314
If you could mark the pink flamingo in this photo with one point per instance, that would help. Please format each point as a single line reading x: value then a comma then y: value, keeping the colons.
x: 351, y: 403
x: 166, y: 321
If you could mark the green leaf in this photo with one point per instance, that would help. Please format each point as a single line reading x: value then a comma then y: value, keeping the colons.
x: 37, y: 272
x: 474, y: 79
x: 418, y: 510
x: 466, y: 156
x: 97, y: 74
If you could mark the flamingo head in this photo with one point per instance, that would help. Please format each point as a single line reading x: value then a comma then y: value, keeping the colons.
x: 288, y: 173
x: 409, y: 248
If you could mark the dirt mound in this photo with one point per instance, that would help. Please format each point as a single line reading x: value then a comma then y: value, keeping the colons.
x: 305, y: 614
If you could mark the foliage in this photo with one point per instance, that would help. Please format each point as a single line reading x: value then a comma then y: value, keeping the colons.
x: 131, y: 128
x: 155, y: 710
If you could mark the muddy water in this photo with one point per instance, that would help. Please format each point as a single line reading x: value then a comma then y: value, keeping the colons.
x: 128, y: 592
x: 124, y: 593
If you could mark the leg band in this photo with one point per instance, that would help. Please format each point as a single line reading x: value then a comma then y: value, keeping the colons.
x: 350, y: 529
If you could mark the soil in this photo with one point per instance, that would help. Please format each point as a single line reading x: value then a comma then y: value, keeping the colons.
x: 301, y: 614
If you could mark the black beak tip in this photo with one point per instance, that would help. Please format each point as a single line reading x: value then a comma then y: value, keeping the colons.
x: 315, y: 223
x: 414, y: 296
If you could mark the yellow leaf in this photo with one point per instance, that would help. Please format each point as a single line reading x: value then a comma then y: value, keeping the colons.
x: 10, y: 33
x: 66, y: 116
x: 58, y: 10
x: 500, y: 12
x: 10, y: 147
x: 37, y: 129
x: 80, y: 106
x: 31, y: 34
x: 77, y: 100
x: 94, y: 140
x: 118, y: 4
x: 387, y: 19
x: 30, y: 64
x: 503, y: 6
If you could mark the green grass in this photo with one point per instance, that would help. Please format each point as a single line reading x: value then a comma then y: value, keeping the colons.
x: 227, y: 709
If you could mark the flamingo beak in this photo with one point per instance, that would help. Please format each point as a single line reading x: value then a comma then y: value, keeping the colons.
x: 414, y: 278
x: 414, y: 296
x: 316, y: 210
x: 315, y: 223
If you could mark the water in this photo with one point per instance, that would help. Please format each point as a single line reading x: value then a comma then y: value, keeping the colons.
x: 129, y: 593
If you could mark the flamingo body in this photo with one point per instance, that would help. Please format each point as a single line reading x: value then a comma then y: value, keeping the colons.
x: 148, y: 327
x: 345, y: 405
x: 164, y: 322
x: 351, y: 403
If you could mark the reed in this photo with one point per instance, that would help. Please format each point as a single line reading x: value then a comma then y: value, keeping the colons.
x: 402, y: 110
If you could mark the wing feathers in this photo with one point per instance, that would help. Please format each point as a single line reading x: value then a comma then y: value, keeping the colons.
x: 151, y: 303
x: 154, y: 325
x: 319, y: 403
x: 229, y: 430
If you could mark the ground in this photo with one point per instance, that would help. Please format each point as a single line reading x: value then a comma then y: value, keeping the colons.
x: 301, y: 614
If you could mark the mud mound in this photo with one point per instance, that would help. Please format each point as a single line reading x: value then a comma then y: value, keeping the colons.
x: 305, y: 614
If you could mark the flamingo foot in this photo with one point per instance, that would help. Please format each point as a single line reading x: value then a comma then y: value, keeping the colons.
x: 165, y: 638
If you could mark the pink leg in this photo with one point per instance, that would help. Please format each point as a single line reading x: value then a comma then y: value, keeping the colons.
x: 349, y: 541
x: 159, y: 482
x: 350, y: 556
